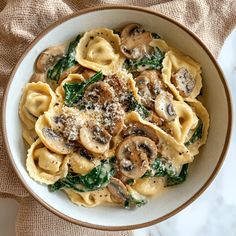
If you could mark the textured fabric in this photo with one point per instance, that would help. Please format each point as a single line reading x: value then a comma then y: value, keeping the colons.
x: 22, y: 20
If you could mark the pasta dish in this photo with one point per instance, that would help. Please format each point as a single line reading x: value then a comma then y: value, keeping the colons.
x: 113, y: 117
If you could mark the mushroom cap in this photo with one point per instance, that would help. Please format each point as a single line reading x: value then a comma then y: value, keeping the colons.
x: 113, y: 118
x: 136, y: 128
x: 149, y: 86
x: 118, y: 191
x: 99, y: 92
x: 53, y: 140
x: 95, y: 138
x: 183, y: 81
x: 133, y: 155
x: 135, y: 41
x: 48, y: 58
x: 164, y: 106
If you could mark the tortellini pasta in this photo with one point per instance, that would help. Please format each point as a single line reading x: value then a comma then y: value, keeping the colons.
x: 182, y: 75
x: 45, y: 166
x: 99, y: 50
x: 115, y: 119
x: 89, y: 199
x: 37, y: 98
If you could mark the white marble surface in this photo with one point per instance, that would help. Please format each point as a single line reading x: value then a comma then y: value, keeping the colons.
x: 212, y: 214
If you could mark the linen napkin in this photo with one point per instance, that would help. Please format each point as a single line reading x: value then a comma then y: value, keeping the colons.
x: 22, y: 20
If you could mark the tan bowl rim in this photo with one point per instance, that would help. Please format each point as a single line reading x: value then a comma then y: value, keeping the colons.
x: 185, y: 204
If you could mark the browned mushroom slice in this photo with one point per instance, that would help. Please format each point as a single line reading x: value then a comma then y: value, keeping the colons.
x: 48, y: 58
x: 70, y: 70
x: 95, y: 138
x: 118, y: 191
x: 154, y: 118
x: 55, y: 141
x: 141, y: 130
x: 86, y: 73
x: 99, y: 92
x: 149, y: 86
x: 135, y: 41
x: 113, y: 118
x: 133, y: 155
x: 183, y: 81
x: 36, y: 77
x: 164, y: 106
x: 118, y: 84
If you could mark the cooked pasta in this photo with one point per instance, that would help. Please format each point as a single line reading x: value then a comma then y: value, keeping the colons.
x: 114, y: 117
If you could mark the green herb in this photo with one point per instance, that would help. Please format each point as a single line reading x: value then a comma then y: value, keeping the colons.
x: 97, y: 178
x: 162, y: 167
x: 196, y: 135
x: 135, y: 200
x: 75, y: 91
x: 178, y: 179
x: 129, y: 181
x: 65, y: 62
x: 149, y: 62
x: 133, y: 105
x: 155, y: 36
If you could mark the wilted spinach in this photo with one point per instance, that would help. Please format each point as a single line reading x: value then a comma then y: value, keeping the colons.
x: 133, y: 105
x: 197, y: 134
x: 162, y: 167
x: 75, y: 91
x: 148, y: 62
x: 65, y: 62
x: 97, y: 178
x: 178, y: 179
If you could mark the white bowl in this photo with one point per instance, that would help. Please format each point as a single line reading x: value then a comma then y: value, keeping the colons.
x: 206, y: 164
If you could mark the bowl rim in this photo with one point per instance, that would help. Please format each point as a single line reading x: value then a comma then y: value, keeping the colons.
x: 182, y: 206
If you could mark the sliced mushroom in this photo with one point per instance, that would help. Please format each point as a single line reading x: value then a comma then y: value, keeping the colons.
x: 113, y: 118
x: 36, y: 77
x: 154, y: 118
x: 164, y: 106
x: 183, y: 81
x: 95, y: 138
x: 99, y: 92
x: 70, y: 70
x: 133, y: 155
x: 118, y: 191
x: 135, y: 41
x: 86, y: 73
x: 117, y: 83
x: 139, y: 129
x: 48, y: 58
x: 149, y: 86
x: 54, y: 141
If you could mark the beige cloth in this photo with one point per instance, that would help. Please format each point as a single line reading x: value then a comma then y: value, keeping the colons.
x: 22, y: 20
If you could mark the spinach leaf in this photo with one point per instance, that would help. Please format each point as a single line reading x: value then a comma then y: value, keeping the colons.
x: 149, y: 62
x: 162, y: 167
x: 133, y: 105
x: 65, y: 62
x: 155, y: 36
x: 129, y: 181
x: 197, y: 134
x: 135, y: 200
x: 75, y: 91
x: 178, y: 179
x: 97, y: 178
